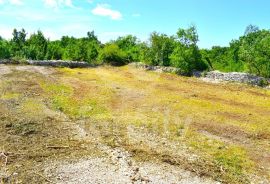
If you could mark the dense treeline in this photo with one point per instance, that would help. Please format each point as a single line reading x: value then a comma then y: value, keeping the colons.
x: 250, y: 53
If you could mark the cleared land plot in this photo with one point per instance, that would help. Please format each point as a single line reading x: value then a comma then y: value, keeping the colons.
x: 131, y: 124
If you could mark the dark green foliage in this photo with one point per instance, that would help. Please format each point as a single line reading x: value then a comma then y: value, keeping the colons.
x: 54, y: 51
x: 18, y: 43
x: 4, y: 49
x: 179, y: 51
x: 112, y: 54
x: 263, y: 83
x: 83, y: 49
x: 129, y: 45
x: 36, y: 46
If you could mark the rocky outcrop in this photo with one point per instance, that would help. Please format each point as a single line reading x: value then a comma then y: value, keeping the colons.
x: 53, y: 63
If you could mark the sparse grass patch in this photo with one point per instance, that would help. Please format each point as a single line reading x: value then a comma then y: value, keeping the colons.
x: 63, y: 100
x: 32, y: 108
x: 23, y: 127
x: 10, y: 96
x: 231, y: 161
x: 160, y: 117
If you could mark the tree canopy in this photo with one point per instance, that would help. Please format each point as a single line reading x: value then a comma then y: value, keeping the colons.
x: 250, y: 53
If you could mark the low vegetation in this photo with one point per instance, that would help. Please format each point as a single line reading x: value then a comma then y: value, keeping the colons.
x: 60, y: 114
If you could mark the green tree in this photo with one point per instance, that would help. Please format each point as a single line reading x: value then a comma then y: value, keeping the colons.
x: 255, y: 52
x: 91, y: 45
x: 37, y: 46
x: 161, y: 47
x: 82, y: 49
x: 145, y: 54
x: 188, y: 37
x: 129, y: 44
x: 186, y: 54
x: 18, y: 43
x: 54, y: 50
x: 217, y: 58
x: 112, y: 54
x: 4, y: 49
x: 91, y: 52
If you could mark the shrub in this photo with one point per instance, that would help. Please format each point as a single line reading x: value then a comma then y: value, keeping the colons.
x: 20, y: 60
x: 263, y: 83
x: 112, y: 54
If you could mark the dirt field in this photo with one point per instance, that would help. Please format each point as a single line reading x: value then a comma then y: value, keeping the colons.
x: 124, y: 125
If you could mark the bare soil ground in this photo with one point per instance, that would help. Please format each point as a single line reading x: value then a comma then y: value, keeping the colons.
x: 124, y: 125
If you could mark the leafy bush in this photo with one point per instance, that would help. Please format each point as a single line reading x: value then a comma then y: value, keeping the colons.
x: 263, y: 83
x: 112, y: 54
x: 4, y: 49
x: 54, y: 51
x: 18, y: 59
x: 130, y: 46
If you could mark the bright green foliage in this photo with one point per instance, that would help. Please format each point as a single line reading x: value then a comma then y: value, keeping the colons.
x: 83, y: 49
x: 4, y: 49
x: 255, y: 52
x: 186, y: 58
x: 179, y: 51
x: 145, y: 54
x: 112, y: 54
x: 37, y: 47
x: 186, y: 54
x: 189, y: 36
x: 54, y: 51
x: 129, y: 44
x: 161, y: 48
x: 250, y: 53
x: 223, y: 58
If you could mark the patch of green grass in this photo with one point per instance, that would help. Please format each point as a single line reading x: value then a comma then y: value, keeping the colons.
x: 64, y: 99
x: 10, y: 96
x: 59, y: 89
x: 235, y: 163
x: 231, y: 161
x: 32, y: 108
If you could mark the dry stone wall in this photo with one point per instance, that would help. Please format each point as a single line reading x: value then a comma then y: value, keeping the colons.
x: 160, y: 69
x: 53, y: 63
x: 213, y: 75
x: 236, y: 77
